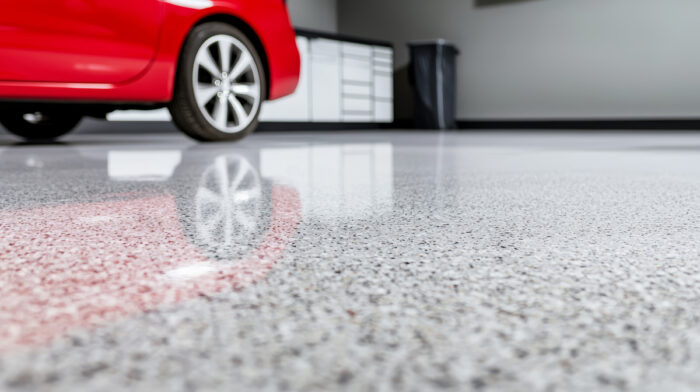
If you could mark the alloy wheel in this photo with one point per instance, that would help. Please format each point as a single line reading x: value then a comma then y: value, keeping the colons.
x: 226, y: 83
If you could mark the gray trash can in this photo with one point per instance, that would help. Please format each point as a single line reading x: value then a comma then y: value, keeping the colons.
x: 434, y: 80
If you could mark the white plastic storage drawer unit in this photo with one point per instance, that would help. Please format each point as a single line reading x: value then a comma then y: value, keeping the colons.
x: 344, y: 80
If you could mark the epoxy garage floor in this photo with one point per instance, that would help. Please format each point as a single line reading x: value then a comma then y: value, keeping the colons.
x: 352, y: 261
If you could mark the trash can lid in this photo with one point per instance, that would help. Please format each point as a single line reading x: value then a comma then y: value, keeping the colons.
x: 434, y: 42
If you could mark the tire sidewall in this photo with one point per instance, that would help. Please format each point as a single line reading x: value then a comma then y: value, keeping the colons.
x: 61, y: 121
x: 185, y: 70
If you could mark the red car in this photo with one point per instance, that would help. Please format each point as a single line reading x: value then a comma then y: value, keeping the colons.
x: 211, y: 62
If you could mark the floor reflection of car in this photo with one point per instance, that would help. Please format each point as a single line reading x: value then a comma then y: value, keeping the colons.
x: 210, y: 62
x: 227, y: 204
x: 156, y: 227
x: 79, y: 265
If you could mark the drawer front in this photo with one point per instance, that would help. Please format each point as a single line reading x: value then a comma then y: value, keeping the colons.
x: 354, y: 105
x: 383, y: 86
x: 382, y: 60
x: 383, y: 51
x: 327, y: 47
x: 357, y: 89
x: 360, y: 50
x: 357, y: 70
x: 383, y: 68
x: 383, y: 111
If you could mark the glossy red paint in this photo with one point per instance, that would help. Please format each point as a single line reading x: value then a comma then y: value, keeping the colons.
x: 127, y: 50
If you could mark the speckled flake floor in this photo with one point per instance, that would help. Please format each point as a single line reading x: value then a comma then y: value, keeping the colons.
x: 361, y: 261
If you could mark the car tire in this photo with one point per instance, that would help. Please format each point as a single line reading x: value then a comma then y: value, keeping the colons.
x: 220, y: 84
x: 38, y: 123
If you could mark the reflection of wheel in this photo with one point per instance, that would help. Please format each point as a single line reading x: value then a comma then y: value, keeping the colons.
x: 220, y: 84
x: 227, y: 204
x: 38, y: 123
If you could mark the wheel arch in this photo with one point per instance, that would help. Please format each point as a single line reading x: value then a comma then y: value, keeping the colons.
x: 246, y: 29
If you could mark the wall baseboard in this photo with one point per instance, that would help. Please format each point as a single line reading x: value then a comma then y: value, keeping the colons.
x: 318, y: 126
x: 584, y: 124
x: 137, y: 127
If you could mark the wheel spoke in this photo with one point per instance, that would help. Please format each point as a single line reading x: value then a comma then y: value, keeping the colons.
x: 207, y: 62
x: 240, y: 174
x: 221, y: 112
x: 248, y: 90
x: 222, y: 177
x: 239, y: 111
x: 225, y: 55
x: 204, y: 93
x: 242, y: 64
x: 206, y: 195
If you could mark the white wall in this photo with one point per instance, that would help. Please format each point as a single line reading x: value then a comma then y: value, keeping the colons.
x: 552, y: 58
x: 314, y: 14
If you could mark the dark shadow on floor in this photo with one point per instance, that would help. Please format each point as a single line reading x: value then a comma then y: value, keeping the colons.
x: 94, y: 126
x: 493, y: 3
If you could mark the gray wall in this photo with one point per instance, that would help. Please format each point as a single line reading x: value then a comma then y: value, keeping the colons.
x: 552, y: 58
x: 314, y: 14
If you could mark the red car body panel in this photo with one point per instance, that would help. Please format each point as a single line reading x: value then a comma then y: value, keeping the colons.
x: 72, y: 41
x: 127, y: 50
